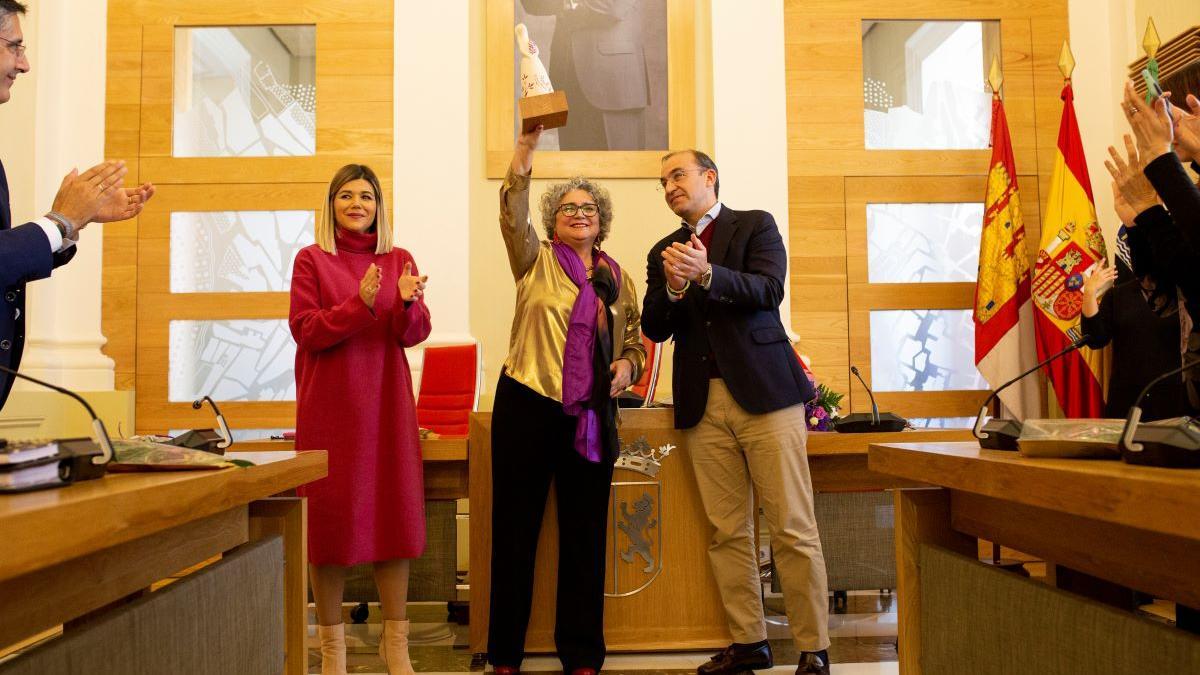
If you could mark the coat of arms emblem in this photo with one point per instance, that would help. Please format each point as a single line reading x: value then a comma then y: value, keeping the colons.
x: 636, y: 525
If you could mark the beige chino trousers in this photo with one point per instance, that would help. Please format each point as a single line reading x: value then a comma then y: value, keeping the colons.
x: 733, y: 451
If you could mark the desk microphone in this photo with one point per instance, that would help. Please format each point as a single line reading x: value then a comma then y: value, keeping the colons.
x: 1169, y: 443
x: 857, y: 423
x: 1001, y: 434
x: 81, y: 470
x: 208, y: 440
x: 226, y: 437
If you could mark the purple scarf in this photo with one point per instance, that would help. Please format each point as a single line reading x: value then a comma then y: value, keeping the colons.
x: 577, y: 377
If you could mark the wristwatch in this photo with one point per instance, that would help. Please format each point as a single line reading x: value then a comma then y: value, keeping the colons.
x: 65, y: 227
x: 706, y: 278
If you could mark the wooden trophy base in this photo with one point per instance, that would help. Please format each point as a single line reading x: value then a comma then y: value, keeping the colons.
x: 548, y: 110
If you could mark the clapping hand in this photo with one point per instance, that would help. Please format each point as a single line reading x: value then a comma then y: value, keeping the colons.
x: 411, y: 287
x: 1187, y: 130
x: 1125, y: 212
x: 368, y: 288
x: 1100, y: 276
x: 1152, y: 126
x: 82, y: 196
x: 1127, y: 172
x: 123, y: 203
x: 686, y: 261
x: 675, y: 281
x: 1094, y: 285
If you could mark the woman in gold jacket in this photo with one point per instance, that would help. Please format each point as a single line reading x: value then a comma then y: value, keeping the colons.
x: 575, y: 345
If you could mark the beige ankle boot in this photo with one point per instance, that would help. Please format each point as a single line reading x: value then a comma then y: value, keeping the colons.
x: 393, y: 648
x: 333, y: 649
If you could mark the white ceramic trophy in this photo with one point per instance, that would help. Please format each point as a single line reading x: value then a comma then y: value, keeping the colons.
x: 539, y: 103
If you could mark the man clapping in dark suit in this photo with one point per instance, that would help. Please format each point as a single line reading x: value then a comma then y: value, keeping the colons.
x: 30, y: 251
x: 715, y: 285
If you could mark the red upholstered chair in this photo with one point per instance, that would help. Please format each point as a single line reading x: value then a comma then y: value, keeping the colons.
x: 449, y: 389
x: 648, y: 382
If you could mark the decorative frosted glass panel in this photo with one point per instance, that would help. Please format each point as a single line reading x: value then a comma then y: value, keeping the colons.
x: 941, y: 422
x: 232, y: 360
x: 245, y: 91
x: 913, y: 243
x: 925, y: 83
x: 236, y: 251
x: 923, y: 350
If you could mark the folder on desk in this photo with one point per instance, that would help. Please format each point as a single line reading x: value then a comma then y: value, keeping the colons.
x: 144, y: 455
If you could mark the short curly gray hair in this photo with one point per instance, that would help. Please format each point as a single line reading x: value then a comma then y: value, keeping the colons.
x: 553, y: 196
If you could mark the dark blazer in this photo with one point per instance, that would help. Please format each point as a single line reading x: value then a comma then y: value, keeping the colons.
x: 1144, y: 345
x: 736, y: 320
x: 24, y: 256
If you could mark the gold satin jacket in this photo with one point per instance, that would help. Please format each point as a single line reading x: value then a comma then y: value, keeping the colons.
x: 545, y: 296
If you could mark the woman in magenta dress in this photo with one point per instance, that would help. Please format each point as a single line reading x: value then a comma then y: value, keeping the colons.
x: 357, y: 303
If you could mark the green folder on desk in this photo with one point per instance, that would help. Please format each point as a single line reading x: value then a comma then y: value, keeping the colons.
x: 142, y: 455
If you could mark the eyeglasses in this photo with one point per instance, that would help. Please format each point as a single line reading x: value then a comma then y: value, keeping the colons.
x: 15, y: 47
x: 569, y: 210
x: 676, y: 176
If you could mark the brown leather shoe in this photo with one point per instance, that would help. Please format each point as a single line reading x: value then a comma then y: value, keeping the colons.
x: 738, y: 658
x: 813, y: 662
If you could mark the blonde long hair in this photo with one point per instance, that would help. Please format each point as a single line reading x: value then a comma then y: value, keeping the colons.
x: 326, y: 229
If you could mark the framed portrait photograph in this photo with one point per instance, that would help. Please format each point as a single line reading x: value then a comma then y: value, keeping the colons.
x: 627, y: 68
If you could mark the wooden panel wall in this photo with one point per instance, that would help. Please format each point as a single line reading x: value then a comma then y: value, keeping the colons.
x: 832, y: 176
x: 354, y: 124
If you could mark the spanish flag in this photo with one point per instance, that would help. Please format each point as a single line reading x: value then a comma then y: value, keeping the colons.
x: 1071, y: 245
x: 1004, y: 343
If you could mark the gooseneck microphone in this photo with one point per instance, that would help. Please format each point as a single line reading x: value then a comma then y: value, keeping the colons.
x: 1001, y: 434
x: 102, y: 439
x: 226, y: 437
x: 874, y: 408
x: 1173, y: 442
x: 857, y: 423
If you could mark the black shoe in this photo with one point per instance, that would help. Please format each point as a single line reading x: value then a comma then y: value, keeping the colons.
x: 738, y: 658
x: 813, y: 662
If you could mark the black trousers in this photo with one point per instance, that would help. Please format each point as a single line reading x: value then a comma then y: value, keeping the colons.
x: 532, y: 443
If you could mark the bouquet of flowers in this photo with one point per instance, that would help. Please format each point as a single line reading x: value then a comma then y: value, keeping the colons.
x: 821, y: 412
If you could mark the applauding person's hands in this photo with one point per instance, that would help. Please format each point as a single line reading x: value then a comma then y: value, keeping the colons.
x: 84, y: 195
x: 1152, y: 126
x: 411, y: 287
x: 1127, y: 173
x: 368, y: 288
x: 1093, y: 284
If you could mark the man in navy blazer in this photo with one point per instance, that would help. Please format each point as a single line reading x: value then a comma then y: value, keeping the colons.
x: 714, y: 285
x: 32, y: 250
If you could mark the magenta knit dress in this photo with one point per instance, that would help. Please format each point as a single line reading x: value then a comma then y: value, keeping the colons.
x: 355, y: 400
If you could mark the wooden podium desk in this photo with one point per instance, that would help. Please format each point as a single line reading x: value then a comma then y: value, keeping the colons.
x: 1132, y: 525
x: 73, y: 550
x: 680, y: 608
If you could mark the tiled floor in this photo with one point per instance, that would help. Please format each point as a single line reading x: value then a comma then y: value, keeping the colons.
x: 862, y: 632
